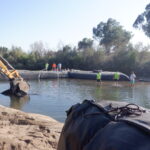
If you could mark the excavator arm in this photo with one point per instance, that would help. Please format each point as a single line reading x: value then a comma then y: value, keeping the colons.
x: 10, y: 74
x: 18, y: 86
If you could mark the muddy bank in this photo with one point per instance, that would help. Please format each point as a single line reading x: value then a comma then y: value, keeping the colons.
x: 26, y: 131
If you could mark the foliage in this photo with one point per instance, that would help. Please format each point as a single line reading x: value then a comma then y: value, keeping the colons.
x: 124, y: 59
x: 143, y: 21
x: 85, y: 43
x: 111, y: 34
x: 3, y: 51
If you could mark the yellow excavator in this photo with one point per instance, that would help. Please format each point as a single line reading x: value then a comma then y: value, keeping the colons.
x: 18, y: 86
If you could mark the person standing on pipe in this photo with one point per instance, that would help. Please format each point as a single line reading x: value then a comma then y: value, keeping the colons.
x: 98, y: 78
x: 46, y: 66
x: 132, y: 78
x: 116, y: 77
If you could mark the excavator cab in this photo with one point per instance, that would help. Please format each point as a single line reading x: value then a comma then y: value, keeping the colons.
x: 18, y: 86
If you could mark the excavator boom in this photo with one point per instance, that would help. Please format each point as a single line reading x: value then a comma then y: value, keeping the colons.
x: 18, y: 86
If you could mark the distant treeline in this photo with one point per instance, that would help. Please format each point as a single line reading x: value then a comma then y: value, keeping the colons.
x: 127, y: 59
x: 114, y: 52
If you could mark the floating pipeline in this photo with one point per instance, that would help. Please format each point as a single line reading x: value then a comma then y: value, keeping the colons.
x: 106, y: 76
x: 76, y: 74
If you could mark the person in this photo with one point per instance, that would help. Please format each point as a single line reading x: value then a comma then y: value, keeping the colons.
x: 54, y: 66
x: 98, y: 77
x: 132, y: 78
x: 116, y: 77
x: 46, y: 66
x: 59, y: 66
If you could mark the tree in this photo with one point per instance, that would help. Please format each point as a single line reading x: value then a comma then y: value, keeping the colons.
x: 85, y: 43
x: 37, y: 49
x: 66, y: 48
x: 111, y: 35
x: 3, y: 51
x: 143, y: 21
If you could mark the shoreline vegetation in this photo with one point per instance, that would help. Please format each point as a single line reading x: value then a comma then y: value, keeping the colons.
x: 126, y: 59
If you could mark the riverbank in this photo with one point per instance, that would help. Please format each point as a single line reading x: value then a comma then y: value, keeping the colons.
x: 27, y: 131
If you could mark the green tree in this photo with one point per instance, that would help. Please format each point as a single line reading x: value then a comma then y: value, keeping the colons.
x: 85, y: 43
x: 66, y: 48
x: 16, y: 57
x: 38, y: 49
x: 125, y: 60
x: 111, y: 34
x: 3, y: 51
x: 143, y: 21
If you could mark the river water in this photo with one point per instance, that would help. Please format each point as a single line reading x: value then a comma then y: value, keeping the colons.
x: 54, y: 97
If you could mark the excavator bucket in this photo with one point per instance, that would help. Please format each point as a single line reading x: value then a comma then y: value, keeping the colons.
x: 18, y: 87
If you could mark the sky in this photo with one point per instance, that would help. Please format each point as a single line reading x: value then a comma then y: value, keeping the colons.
x: 60, y: 22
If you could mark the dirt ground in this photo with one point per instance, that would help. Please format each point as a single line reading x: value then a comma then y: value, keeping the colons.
x: 26, y: 131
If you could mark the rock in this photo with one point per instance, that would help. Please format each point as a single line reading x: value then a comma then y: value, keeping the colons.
x: 27, y: 131
x: 18, y: 87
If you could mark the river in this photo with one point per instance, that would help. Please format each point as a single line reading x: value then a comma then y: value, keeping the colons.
x: 54, y: 97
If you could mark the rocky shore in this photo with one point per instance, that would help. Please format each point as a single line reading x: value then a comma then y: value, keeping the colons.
x: 27, y: 131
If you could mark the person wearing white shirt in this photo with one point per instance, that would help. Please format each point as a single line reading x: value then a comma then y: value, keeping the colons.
x: 132, y: 78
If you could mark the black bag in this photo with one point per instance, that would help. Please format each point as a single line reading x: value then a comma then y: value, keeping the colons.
x: 106, y: 126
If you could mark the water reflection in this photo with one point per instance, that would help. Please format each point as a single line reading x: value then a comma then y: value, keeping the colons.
x: 107, y: 92
x: 55, y: 83
x: 19, y: 102
x: 54, y: 97
x: 138, y: 94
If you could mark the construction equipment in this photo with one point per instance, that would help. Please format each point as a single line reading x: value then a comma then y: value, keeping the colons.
x: 18, y: 86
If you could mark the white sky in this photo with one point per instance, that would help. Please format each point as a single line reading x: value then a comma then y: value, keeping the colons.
x: 63, y: 21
